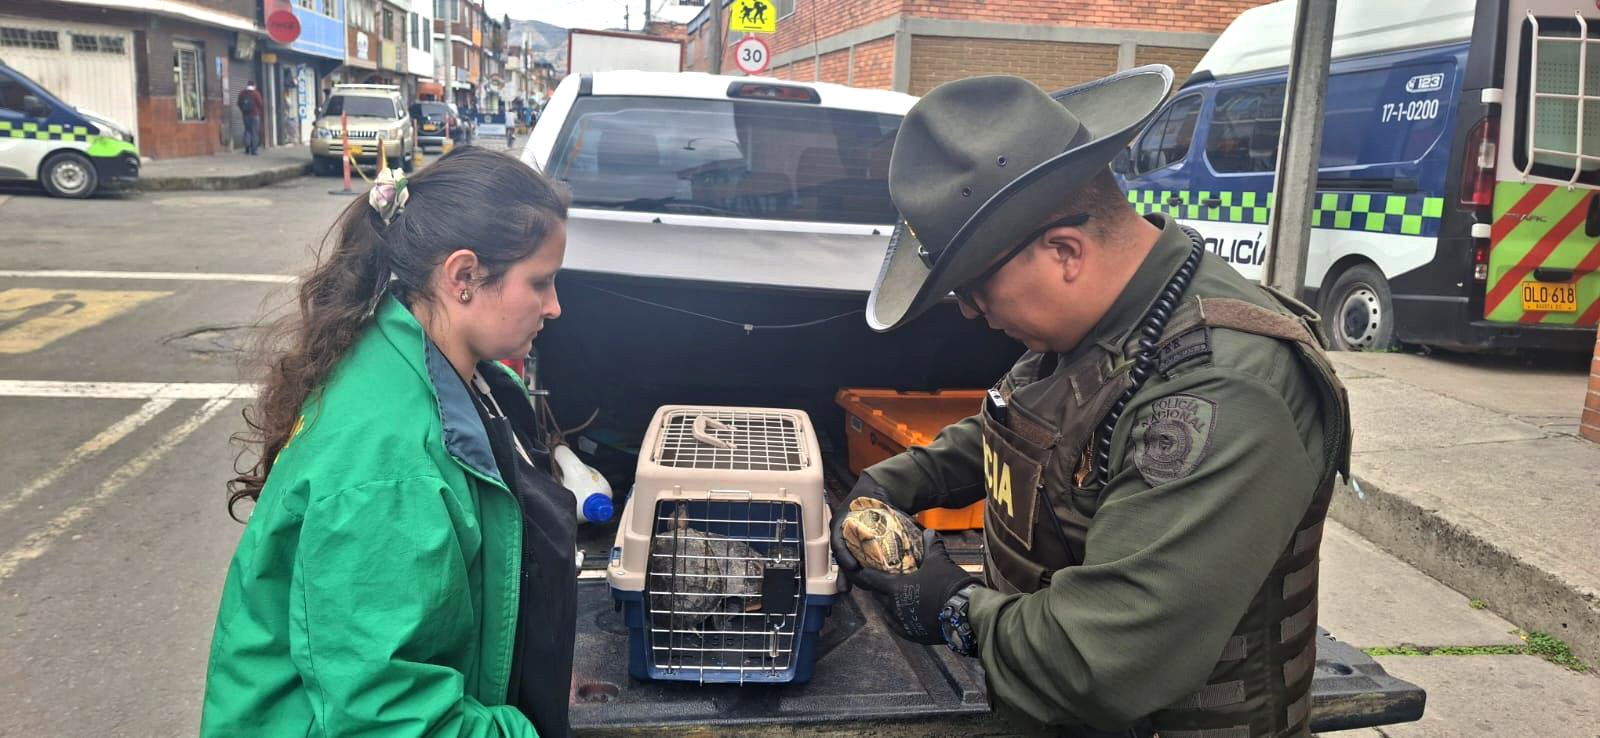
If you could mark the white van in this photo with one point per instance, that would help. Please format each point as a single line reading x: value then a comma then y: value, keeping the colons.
x: 71, y: 152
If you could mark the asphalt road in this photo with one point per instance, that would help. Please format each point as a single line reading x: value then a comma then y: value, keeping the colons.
x: 113, y: 534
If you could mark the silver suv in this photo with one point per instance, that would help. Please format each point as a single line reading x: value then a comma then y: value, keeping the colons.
x: 377, y: 118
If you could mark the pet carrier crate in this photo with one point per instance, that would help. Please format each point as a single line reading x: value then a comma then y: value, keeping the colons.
x: 721, y: 564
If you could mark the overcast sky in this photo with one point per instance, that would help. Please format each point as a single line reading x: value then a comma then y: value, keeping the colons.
x: 585, y: 13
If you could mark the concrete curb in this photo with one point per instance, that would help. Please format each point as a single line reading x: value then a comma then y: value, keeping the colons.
x: 1522, y: 592
x: 249, y: 181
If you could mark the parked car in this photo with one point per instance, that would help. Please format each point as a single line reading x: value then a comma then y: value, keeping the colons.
x: 72, y: 152
x: 377, y: 117
x: 433, y: 119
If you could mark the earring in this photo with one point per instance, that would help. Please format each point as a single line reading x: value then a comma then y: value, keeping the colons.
x: 466, y: 295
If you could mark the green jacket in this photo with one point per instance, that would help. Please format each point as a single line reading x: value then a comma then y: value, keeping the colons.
x: 375, y: 589
x: 1173, y: 558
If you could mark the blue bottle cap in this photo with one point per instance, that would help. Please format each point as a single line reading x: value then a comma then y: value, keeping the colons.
x: 597, y: 508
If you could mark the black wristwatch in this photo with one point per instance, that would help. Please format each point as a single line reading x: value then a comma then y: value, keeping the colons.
x: 956, y: 626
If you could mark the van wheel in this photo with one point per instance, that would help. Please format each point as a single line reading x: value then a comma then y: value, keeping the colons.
x: 1358, y: 313
x: 69, y: 174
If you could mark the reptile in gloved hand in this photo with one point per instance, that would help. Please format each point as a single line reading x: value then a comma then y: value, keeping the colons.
x: 880, y: 548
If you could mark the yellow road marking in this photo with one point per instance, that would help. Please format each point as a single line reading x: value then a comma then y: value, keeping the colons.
x: 31, y: 318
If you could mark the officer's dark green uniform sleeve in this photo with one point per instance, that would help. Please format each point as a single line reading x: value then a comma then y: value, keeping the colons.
x: 945, y: 473
x: 1170, y: 566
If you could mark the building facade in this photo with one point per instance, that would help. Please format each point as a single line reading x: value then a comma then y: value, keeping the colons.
x: 914, y: 45
x: 167, y: 69
x: 299, y: 73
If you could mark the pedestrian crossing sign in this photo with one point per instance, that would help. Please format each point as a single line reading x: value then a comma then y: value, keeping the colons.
x: 753, y: 16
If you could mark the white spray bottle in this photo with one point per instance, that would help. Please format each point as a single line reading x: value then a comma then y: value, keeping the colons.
x: 591, y: 491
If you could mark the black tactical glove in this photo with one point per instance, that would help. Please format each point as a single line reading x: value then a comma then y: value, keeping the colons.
x: 865, y: 487
x: 913, y: 601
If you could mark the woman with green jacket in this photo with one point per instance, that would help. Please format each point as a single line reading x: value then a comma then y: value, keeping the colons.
x: 407, y: 567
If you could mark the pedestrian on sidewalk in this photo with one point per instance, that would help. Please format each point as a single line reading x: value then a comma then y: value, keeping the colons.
x: 251, y: 106
x: 1155, y: 469
x: 408, y: 567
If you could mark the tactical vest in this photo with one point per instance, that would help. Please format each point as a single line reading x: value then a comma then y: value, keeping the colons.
x: 1037, y: 515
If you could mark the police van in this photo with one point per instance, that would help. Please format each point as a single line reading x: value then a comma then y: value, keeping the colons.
x: 1455, y: 201
x: 71, y: 152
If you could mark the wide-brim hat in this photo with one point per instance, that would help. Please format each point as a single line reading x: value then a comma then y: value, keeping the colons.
x: 981, y: 162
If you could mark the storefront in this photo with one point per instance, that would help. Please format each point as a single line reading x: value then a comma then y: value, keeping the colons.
x: 297, y: 71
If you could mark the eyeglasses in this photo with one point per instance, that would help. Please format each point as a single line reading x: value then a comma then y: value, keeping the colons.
x: 964, y: 292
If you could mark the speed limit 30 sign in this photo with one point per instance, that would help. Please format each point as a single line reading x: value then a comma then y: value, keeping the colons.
x: 752, y: 55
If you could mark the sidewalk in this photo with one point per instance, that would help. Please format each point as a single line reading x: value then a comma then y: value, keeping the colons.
x: 228, y: 171
x: 1471, y: 469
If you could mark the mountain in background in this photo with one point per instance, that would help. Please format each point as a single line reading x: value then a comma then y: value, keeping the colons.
x: 548, y: 42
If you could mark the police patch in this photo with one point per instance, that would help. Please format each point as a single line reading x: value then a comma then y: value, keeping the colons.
x: 1172, y: 437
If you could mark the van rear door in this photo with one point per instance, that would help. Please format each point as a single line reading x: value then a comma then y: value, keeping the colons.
x: 1544, y: 251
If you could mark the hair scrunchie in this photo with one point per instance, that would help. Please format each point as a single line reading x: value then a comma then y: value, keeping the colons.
x: 388, y: 194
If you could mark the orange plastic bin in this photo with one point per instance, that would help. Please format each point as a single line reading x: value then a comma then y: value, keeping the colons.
x: 882, y: 423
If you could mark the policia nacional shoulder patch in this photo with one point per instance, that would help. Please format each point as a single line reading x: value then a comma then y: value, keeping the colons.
x: 1172, y: 437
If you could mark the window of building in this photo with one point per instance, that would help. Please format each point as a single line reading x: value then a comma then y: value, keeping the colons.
x: 307, y: 4
x: 85, y: 42
x: 1244, y: 129
x: 29, y: 38
x: 1558, y: 100
x: 1166, y: 141
x: 388, y: 24
x: 113, y: 45
x: 188, y: 75
x: 785, y: 8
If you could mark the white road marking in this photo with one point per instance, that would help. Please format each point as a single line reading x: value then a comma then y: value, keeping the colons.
x: 157, y: 276
x: 37, y: 543
x: 127, y: 390
x: 90, y: 449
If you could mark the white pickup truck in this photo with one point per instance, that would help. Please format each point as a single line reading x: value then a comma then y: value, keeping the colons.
x: 723, y: 237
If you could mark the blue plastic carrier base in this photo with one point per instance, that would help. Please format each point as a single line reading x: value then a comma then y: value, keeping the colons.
x: 641, y: 666
x: 724, y: 598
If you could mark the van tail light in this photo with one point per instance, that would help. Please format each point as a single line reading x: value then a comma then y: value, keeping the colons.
x: 1477, y: 166
x: 1480, y: 262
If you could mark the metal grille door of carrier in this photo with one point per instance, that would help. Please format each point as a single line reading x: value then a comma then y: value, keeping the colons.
x: 88, y: 66
x: 725, y: 590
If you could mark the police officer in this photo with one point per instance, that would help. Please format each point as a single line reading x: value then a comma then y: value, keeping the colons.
x: 1156, y: 468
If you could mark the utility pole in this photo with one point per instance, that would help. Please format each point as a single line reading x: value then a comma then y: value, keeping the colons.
x: 715, y: 8
x: 627, y: 23
x: 1300, y: 145
x: 646, y: 16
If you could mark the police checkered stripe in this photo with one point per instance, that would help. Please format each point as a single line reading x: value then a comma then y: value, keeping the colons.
x: 50, y: 131
x: 1410, y: 215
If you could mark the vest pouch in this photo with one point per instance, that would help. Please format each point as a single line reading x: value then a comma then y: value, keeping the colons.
x: 1013, y: 466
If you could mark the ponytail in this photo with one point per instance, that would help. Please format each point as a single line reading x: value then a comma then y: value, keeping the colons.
x: 336, y: 301
x: 471, y: 198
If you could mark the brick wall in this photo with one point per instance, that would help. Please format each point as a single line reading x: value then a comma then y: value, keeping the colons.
x: 834, y: 67
x: 875, y: 64
x: 163, y: 136
x: 1050, y: 65
x: 1182, y: 61
x: 1590, y: 427
x: 1157, y: 15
